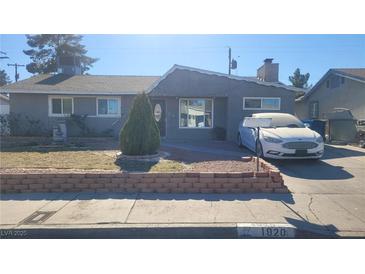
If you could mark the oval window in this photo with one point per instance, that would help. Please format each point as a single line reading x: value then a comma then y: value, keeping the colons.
x: 157, y: 112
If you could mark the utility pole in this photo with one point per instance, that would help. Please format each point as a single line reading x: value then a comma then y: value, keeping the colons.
x: 16, y: 65
x: 232, y: 63
x: 229, y: 61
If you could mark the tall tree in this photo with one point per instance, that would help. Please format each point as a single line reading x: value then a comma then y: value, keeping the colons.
x: 4, y: 78
x: 299, y: 80
x: 47, y: 47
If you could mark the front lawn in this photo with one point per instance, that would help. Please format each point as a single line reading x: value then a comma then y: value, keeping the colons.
x: 43, y: 158
x: 81, y: 160
x: 58, y: 160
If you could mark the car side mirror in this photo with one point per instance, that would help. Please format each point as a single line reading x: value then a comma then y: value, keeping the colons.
x: 306, y: 125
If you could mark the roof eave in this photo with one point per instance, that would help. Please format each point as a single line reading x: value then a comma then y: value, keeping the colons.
x: 88, y: 93
x: 239, y: 78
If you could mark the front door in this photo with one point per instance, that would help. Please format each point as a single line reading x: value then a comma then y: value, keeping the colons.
x: 159, y: 112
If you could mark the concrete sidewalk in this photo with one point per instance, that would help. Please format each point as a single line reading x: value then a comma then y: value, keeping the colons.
x: 115, y: 215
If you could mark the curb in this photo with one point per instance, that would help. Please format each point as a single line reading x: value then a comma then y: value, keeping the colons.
x: 161, y: 231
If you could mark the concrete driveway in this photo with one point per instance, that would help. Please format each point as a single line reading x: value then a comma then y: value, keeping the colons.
x: 329, y: 192
x: 333, y: 188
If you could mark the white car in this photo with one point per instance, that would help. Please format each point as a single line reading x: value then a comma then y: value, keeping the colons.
x: 286, y: 138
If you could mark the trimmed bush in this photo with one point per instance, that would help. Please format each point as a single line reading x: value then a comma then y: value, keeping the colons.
x: 140, y: 134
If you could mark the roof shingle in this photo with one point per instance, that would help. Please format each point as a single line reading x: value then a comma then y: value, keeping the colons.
x: 83, y: 84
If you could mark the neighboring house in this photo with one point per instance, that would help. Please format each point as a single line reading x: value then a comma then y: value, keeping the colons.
x: 188, y: 103
x: 47, y: 100
x: 4, y: 104
x: 338, y: 88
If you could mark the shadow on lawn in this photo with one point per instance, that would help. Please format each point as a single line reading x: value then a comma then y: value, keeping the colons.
x: 135, y: 166
x: 287, y: 198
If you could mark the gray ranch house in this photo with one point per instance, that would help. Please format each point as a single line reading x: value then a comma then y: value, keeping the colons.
x: 188, y: 103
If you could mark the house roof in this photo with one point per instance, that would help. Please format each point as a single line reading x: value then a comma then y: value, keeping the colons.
x: 110, y: 84
x: 356, y: 74
x: 234, y: 77
x: 81, y: 84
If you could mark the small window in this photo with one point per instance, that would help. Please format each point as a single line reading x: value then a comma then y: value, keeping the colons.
x: 61, y: 106
x: 257, y: 103
x: 57, y: 106
x: 108, y: 107
x: 333, y: 82
x: 314, y: 110
x: 270, y: 103
x: 342, y: 80
x: 252, y: 103
x: 196, y: 113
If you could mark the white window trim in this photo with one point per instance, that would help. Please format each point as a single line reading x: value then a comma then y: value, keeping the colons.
x: 211, y: 99
x: 50, y: 110
x: 108, y: 115
x: 261, y: 98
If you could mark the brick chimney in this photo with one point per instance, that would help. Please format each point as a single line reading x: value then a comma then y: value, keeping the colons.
x: 269, y: 71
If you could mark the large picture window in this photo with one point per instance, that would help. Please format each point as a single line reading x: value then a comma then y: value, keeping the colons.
x: 108, y: 106
x: 196, y: 113
x: 59, y: 106
x: 261, y: 103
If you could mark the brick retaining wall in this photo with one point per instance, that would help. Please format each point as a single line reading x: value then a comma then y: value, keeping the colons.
x: 269, y: 180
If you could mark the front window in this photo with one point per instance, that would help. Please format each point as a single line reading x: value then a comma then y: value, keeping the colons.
x: 261, y: 103
x: 108, y: 106
x: 196, y: 113
x: 61, y: 106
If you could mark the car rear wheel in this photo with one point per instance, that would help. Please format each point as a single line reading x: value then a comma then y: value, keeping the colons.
x: 239, y: 140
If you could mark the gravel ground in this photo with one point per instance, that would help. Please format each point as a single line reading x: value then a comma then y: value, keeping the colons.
x: 222, y: 166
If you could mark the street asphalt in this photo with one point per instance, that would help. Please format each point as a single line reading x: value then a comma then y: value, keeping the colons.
x: 327, y: 199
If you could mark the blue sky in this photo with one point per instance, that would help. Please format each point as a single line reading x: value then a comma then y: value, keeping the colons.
x: 155, y: 54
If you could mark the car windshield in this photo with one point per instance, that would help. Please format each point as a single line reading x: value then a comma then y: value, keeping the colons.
x: 292, y: 123
x: 285, y: 121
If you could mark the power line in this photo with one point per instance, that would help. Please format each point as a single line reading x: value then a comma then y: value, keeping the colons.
x: 3, y: 57
x: 16, y: 65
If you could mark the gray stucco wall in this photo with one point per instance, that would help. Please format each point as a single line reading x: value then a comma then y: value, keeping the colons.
x: 350, y: 94
x: 35, y: 106
x: 228, y: 101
